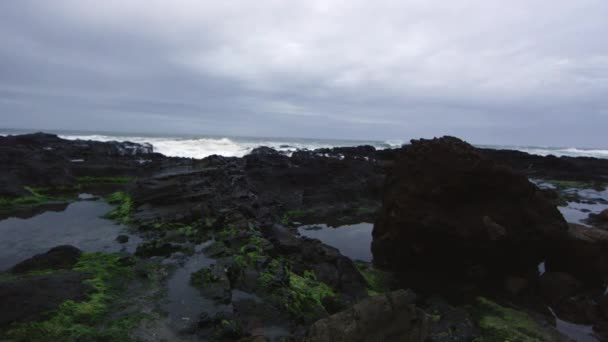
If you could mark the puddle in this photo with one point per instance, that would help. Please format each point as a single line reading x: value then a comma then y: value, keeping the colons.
x: 592, y: 202
x: 184, y: 304
x: 80, y: 224
x: 353, y: 241
x: 577, y: 332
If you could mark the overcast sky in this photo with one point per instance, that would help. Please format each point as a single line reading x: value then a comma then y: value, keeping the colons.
x: 490, y: 71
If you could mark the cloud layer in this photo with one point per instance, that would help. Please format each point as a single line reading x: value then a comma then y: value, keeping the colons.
x: 517, y: 72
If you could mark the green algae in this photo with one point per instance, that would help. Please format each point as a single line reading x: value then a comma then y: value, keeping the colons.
x: 59, y: 193
x: 203, y: 277
x: 307, y: 286
x: 85, y: 180
x: 302, y: 297
x: 35, y: 197
x: 86, y: 320
x: 124, y: 203
x: 499, y: 323
x: 377, y: 281
x: 291, y: 215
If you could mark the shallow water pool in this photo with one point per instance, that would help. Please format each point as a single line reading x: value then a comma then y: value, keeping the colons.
x: 353, y: 241
x: 80, y: 224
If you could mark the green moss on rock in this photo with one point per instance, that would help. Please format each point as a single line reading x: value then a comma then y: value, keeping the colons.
x: 377, y: 281
x: 35, y: 197
x: 499, y: 323
x: 85, y: 320
x: 124, y: 203
x: 203, y: 276
x: 85, y: 180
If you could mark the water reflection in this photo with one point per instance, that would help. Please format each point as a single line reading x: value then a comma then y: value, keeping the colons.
x: 353, y: 241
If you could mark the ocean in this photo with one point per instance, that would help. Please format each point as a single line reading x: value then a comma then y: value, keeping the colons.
x: 191, y: 146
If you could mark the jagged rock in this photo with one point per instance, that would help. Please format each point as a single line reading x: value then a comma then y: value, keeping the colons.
x: 151, y: 248
x: 449, y: 209
x: 60, y: 257
x: 599, y: 220
x: 583, y: 254
x: 45, y: 160
x: 449, y: 323
x: 213, y: 283
x: 389, y: 317
x: 122, y: 238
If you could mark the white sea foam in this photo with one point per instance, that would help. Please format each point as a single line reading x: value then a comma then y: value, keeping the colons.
x: 229, y: 147
x: 200, y: 147
x: 555, y: 151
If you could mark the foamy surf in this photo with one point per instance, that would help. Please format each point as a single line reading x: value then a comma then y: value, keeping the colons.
x: 201, y: 147
x: 228, y: 147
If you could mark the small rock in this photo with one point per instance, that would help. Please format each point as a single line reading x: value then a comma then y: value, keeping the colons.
x: 122, y: 238
x: 60, y: 257
x: 392, y: 316
x: 212, y: 282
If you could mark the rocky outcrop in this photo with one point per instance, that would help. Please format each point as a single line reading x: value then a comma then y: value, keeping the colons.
x: 599, y: 220
x: 389, y: 317
x: 45, y: 160
x: 450, y: 210
x: 60, y: 257
x: 585, y: 169
x: 25, y: 299
x: 583, y: 254
x: 263, y: 185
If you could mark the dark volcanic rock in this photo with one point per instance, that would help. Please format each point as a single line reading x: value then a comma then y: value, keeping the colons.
x: 28, y: 298
x: 449, y: 209
x: 556, y: 286
x: 584, y: 254
x: 599, y: 220
x: 156, y: 248
x: 328, y: 264
x: 60, y: 257
x: 389, y: 317
x: 45, y: 160
x: 122, y: 238
x: 551, y: 167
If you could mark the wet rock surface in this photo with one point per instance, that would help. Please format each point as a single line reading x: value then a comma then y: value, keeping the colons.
x: 60, y: 257
x: 26, y: 299
x: 389, y: 317
x: 41, y: 159
x: 221, y: 237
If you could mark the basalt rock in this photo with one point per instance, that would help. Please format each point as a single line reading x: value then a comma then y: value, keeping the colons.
x: 584, y: 169
x: 28, y: 298
x: 450, y: 210
x: 45, y: 160
x: 556, y: 286
x: 389, y: 317
x: 583, y: 254
x: 60, y: 257
x: 599, y: 220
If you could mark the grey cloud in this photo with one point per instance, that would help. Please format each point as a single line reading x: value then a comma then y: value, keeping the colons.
x: 515, y: 72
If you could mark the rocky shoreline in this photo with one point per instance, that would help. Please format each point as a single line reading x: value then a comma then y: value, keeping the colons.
x: 459, y: 237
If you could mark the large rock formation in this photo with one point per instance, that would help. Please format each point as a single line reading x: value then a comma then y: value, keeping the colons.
x: 389, y: 317
x: 449, y: 209
x: 45, y: 160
